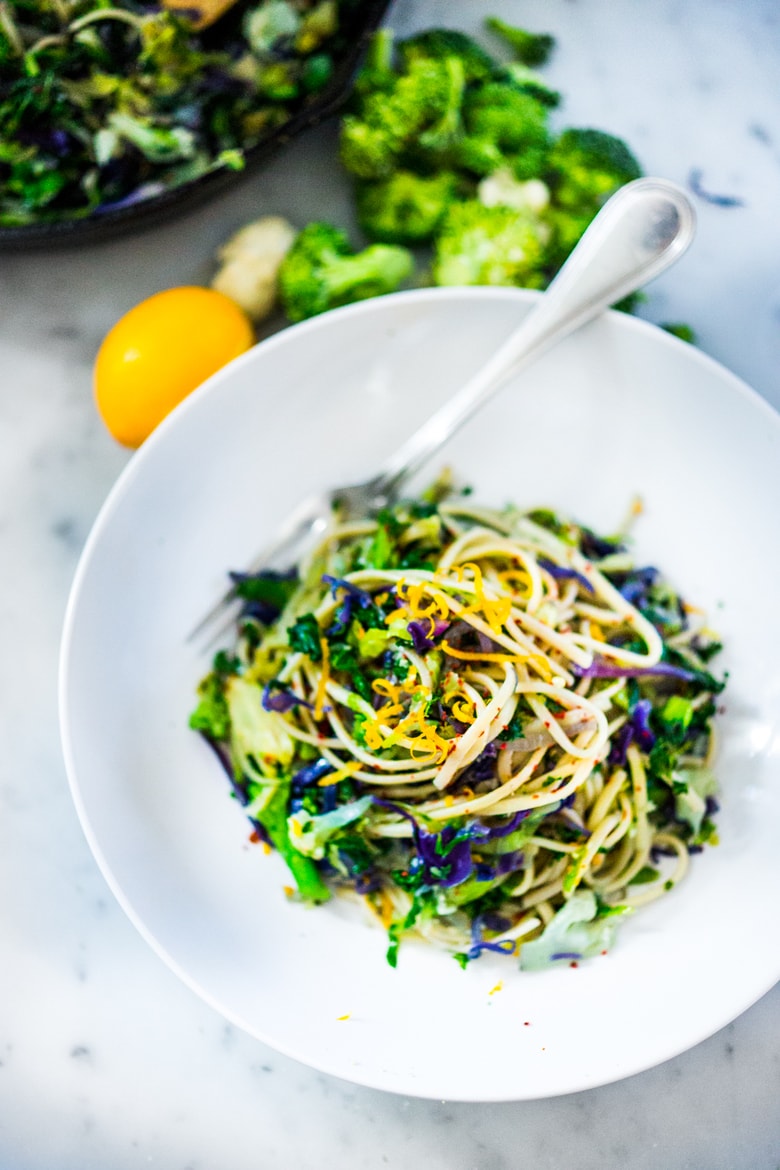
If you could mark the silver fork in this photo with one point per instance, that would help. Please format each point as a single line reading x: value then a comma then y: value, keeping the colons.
x: 639, y: 232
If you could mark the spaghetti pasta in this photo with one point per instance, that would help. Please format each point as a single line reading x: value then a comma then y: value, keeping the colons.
x: 490, y: 726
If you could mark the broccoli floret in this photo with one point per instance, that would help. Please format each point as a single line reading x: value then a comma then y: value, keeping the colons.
x: 369, y: 152
x: 321, y: 271
x: 530, y: 82
x: 377, y: 72
x: 490, y: 245
x: 436, y: 44
x: 586, y: 167
x: 505, y: 128
x: 421, y: 112
x: 530, y: 48
x: 406, y: 208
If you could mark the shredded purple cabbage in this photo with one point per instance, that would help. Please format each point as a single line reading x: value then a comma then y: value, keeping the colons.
x: 423, y: 640
x: 444, y: 858
x: 565, y: 955
x: 311, y: 774
x: 277, y: 697
x: 460, y: 631
x: 352, y: 597
x: 478, y: 944
x: 496, y: 831
x: 633, y: 586
x: 636, y: 730
x: 484, y: 767
x: 600, y: 668
x: 594, y: 547
x: 620, y: 744
x: 640, y: 722
x: 145, y: 191
x: 561, y: 573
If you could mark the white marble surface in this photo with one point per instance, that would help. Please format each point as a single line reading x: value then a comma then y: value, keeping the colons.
x: 106, y: 1060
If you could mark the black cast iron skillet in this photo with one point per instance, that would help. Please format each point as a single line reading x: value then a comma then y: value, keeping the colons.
x: 359, y: 23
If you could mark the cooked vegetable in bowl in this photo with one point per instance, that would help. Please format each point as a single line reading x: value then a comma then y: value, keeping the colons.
x: 107, y: 111
x: 493, y: 727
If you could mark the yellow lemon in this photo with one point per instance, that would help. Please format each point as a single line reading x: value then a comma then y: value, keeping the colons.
x: 159, y: 352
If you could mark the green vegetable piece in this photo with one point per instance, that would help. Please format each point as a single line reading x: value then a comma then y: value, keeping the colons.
x: 575, y: 870
x: 692, y: 787
x: 489, y: 245
x: 684, y: 332
x: 307, y: 877
x: 262, y: 752
x: 304, y: 636
x: 446, y: 44
x: 373, y: 643
x: 586, y: 166
x: 211, y: 716
x: 311, y: 835
x: 504, y: 127
x: 261, y: 747
x: 321, y: 271
x: 647, y: 874
x: 317, y: 72
x: 405, y: 208
x: 318, y: 24
x: 451, y: 898
x: 275, y: 590
x: 530, y: 82
x: 577, y: 929
x: 269, y: 25
x: 530, y: 48
x: 677, y: 713
x: 418, y: 117
x: 383, y: 550
x: 278, y: 81
x: 377, y: 72
x: 156, y: 143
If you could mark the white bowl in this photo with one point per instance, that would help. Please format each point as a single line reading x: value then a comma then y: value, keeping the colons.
x: 620, y: 408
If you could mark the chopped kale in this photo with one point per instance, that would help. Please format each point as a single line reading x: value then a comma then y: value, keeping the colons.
x: 304, y: 636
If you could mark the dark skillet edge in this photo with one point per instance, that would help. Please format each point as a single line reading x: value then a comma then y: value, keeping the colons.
x: 166, y: 206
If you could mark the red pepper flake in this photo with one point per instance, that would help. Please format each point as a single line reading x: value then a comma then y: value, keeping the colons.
x: 547, y: 724
x: 574, y: 963
x: 526, y: 1023
x: 255, y: 837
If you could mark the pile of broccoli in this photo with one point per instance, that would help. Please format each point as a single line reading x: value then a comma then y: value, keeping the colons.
x: 453, y: 151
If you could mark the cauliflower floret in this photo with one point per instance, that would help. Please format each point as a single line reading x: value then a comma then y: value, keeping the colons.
x: 250, y: 262
x: 502, y: 188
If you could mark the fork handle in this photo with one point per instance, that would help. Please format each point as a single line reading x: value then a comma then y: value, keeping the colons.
x: 638, y: 233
